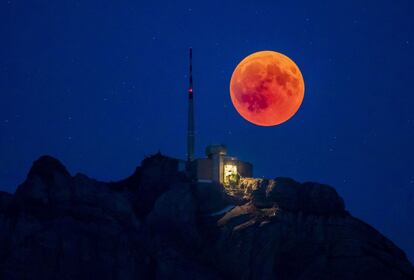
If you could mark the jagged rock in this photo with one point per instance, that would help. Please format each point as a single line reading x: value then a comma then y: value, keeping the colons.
x: 154, y: 177
x: 272, y: 243
x: 293, y: 196
x: 70, y: 227
x: 156, y: 224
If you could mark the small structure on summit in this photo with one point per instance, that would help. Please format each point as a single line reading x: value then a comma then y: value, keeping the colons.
x: 217, y: 166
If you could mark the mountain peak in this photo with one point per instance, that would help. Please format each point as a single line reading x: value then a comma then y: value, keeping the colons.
x: 45, y: 166
x: 158, y: 224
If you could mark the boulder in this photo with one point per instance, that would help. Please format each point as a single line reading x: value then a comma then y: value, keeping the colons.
x: 290, y: 195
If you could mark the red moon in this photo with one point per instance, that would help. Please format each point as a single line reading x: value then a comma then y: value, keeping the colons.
x: 267, y: 88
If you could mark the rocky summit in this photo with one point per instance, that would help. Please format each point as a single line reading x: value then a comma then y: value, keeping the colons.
x: 156, y: 224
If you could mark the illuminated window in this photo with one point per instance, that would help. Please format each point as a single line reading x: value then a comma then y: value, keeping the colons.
x: 230, y: 174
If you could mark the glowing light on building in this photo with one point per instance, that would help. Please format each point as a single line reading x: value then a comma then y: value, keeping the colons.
x: 230, y: 174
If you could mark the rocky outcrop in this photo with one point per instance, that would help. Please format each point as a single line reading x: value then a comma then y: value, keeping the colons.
x: 58, y: 226
x: 292, y: 196
x: 155, y: 176
x: 156, y: 224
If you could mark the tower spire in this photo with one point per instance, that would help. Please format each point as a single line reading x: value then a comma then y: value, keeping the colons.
x: 190, y: 128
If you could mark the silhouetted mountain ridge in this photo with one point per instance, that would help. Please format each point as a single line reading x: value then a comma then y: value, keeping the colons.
x: 157, y: 224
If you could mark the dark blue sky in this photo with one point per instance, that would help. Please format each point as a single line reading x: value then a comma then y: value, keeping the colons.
x: 101, y: 84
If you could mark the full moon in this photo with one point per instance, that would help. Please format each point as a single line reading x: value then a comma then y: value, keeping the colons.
x: 267, y: 88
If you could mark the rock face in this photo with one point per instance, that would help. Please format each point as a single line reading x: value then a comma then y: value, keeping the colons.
x: 302, y: 231
x: 290, y: 195
x: 158, y: 225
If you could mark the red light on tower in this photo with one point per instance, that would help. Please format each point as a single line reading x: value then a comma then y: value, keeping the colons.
x: 190, y: 128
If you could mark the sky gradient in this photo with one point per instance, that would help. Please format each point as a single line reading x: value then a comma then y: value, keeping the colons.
x: 102, y: 84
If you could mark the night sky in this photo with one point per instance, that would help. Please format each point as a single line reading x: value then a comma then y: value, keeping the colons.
x: 101, y: 84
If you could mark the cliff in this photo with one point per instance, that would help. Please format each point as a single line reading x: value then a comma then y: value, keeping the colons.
x: 158, y: 225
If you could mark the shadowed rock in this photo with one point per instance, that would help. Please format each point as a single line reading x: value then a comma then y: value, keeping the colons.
x: 156, y: 224
x: 288, y: 194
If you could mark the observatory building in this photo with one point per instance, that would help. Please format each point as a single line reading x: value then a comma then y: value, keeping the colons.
x: 217, y: 166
